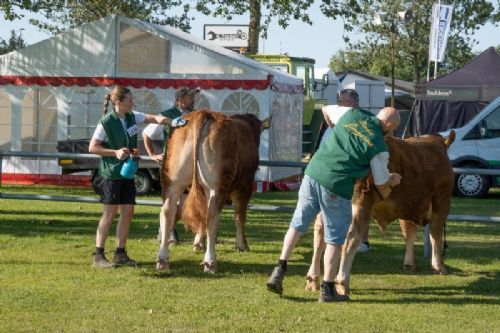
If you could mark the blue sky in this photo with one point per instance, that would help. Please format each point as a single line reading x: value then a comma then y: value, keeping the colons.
x: 319, y: 41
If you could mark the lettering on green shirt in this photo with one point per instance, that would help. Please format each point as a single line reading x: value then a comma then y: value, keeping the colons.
x: 346, y: 154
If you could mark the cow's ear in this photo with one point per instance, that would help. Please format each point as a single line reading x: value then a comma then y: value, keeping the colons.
x: 449, y: 140
x: 266, y: 123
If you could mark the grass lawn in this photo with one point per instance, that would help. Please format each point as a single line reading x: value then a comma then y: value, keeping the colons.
x: 47, y: 283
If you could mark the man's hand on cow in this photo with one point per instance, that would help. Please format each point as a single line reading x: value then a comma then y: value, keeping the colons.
x: 122, y: 154
x: 158, y: 158
x: 394, y: 179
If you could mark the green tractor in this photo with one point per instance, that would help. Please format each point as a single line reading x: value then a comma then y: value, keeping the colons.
x: 312, y: 117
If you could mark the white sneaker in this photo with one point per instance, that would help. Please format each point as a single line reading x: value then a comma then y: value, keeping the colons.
x: 364, y: 247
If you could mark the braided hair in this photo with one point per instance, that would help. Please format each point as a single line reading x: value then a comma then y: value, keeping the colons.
x: 118, y: 94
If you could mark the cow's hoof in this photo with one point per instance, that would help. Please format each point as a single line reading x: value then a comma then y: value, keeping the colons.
x: 162, y: 264
x: 242, y: 248
x: 312, y: 283
x: 199, y: 247
x: 342, y: 289
x: 409, y: 268
x: 440, y: 271
x: 209, y: 267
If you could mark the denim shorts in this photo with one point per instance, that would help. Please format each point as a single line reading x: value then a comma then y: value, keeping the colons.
x: 336, y: 211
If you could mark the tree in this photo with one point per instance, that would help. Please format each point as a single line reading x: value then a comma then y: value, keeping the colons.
x: 15, y: 42
x: 372, y: 53
x: 10, y: 8
x: 280, y: 10
x: 65, y: 14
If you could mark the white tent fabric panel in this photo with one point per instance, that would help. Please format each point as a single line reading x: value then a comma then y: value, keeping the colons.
x: 82, y: 52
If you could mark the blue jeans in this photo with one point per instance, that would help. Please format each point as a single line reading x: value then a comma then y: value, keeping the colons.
x: 336, y: 211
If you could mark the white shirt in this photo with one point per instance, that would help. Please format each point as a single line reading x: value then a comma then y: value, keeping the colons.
x: 154, y: 131
x: 100, y: 133
x: 335, y: 112
x: 379, y: 162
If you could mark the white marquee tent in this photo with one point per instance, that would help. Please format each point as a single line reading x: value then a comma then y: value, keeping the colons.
x: 54, y: 90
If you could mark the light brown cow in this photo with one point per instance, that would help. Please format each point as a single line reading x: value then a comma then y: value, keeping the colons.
x: 217, y: 156
x: 423, y: 197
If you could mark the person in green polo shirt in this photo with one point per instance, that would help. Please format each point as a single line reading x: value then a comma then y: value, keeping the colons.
x: 184, y: 103
x: 115, y: 139
x: 355, y: 147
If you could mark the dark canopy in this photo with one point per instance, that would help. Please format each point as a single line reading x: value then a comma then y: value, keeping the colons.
x: 453, y: 99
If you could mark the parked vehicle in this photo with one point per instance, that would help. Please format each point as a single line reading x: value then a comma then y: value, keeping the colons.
x: 477, y: 145
x: 146, y: 179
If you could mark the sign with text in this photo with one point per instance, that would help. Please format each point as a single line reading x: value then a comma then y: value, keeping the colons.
x: 227, y: 35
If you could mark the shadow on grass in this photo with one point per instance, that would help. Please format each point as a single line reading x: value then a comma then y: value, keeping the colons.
x: 485, y: 291
x: 191, y: 268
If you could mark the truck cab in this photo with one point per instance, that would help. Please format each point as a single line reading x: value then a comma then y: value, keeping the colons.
x: 477, y: 145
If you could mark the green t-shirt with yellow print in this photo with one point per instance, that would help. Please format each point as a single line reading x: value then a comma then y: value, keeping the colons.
x: 346, y: 154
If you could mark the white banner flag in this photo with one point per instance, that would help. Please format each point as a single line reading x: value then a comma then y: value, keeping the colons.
x: 440, y: 29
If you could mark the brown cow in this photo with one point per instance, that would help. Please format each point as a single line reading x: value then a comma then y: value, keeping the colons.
x: 423, y: 197
x: 217, y: 156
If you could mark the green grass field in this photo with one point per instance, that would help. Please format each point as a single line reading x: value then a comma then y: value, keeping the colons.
x: 47, y: 283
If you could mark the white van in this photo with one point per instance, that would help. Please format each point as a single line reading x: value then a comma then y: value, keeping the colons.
x: 477, y: 145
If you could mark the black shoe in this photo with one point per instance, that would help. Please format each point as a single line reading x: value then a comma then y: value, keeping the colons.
x: 99, y: 261
x: 122, y: 259
x: 275, y: 282
x: 173, y: 237
x: 330, y: 295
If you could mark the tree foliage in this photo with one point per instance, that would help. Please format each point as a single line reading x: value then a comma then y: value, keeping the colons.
x: 281, y: 11
x: 15, y: 9
x: 15, y: 42
x: 372, y: 54
x: 8, y: 8
x: 65, y: 14
x: 73, y: 13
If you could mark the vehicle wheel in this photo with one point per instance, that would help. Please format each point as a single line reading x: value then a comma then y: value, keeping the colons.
x: 471, y: 185
x: 143, y: 183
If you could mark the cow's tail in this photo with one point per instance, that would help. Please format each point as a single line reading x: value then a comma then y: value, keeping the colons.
x: 195, y: 208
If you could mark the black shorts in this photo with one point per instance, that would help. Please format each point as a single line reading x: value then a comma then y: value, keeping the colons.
x: 115, y: 192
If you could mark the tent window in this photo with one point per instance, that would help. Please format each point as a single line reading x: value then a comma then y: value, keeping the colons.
x: 187, y: 61
x: 240, y: 102
x: 146, y: 102
x: 39, y: 122
x: 201, y: 102
x: 142, y: 52
x: 85, y: 110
